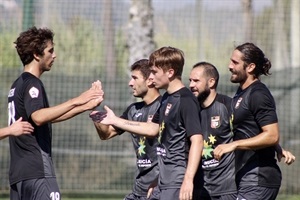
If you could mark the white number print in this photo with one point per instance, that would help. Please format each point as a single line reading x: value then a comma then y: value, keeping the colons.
x: 55, y: 196
x: 11, y: 113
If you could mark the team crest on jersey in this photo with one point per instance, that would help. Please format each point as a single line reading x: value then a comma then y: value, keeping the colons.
x: 150, y: 117
x: 34, y: 92
x: 168, y: 108
x: 237, y: 105
x: 215, y: 122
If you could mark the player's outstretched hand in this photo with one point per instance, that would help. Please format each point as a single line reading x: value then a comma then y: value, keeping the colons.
x: 20, y: 127
x: 94, y: 93
x: 106, y: 117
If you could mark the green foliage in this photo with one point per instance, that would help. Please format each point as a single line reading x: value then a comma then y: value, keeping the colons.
x: 9, y: 57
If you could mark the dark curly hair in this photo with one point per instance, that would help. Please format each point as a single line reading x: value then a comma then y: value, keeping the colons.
x: 33, y: 41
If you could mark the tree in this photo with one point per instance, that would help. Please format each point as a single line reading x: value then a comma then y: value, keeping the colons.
x: 248, y: 20
x: 140, y: 30
x: 295, y: 32
x: 110, y: 58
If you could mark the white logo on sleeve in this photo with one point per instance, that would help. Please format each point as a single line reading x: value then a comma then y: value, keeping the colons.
x: 34, y: 92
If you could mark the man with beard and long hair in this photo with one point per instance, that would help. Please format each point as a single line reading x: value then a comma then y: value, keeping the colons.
x: 254, y: 125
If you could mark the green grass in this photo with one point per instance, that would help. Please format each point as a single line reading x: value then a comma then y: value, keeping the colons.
x: 280, y: 197
x: 291, y: 197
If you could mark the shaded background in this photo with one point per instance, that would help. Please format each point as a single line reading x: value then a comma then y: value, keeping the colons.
x: 99, y: 39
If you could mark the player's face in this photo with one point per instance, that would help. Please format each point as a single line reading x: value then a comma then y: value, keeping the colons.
x: 47, y: 60
x: 138, y: 84
x: 236, y: 67
x: 159, y: 77
x: 199, y: 84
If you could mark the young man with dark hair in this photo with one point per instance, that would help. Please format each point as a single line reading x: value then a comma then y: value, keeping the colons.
x: 31, y: 172
x: 145, y: 148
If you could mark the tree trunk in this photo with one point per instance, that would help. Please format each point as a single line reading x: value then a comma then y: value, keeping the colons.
x: 110, y: 58
x: 140, y: 30
x: 295, y: 32
x: 248, y: 20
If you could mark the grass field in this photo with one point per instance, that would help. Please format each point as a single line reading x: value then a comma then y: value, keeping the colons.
x: 292, y: 197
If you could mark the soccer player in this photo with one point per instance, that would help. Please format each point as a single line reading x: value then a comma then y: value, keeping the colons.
x: 218, y: 175
x: 255, y: 126
x: 31, y: 172
x: 215, y: 179
x: 18, y: 128
x: 177, y: 125
x: 145, y: 148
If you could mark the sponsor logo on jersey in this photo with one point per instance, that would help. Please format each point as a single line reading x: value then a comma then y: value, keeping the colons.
x: 215, y: 122
x: 144, y: 162
x: 34, y: 92
x: 138, y: 114
x: 11, y: 92
x: 237, y: 105
x: 168, y: 108
x: 161, y: 151
x: 210, y: 163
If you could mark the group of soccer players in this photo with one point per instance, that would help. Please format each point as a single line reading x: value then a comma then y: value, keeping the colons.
x: 189, y: 143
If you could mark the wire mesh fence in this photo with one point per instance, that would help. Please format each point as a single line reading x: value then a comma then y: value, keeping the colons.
x: 91, y: 44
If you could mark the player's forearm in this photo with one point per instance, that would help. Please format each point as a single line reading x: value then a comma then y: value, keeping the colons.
x: 195, y: 154
x: 147, y: 129
x: 105, y: 132
x: 269, y: 137
x: 51, y: 114
x: 4, y: 132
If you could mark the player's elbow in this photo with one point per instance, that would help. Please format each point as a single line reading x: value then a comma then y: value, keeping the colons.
x: 38, y: 122
x: 103, y: 137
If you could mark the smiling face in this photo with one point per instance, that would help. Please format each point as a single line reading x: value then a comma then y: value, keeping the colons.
x: 46, y: 61
x: 138, y: 84
x: 236, y: 67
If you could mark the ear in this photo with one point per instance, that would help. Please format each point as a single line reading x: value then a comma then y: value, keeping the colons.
x: 211, y: 82
x: 170, y: 73
x: 36, y: 57
x: 149, y: 81
x: 250, y: 68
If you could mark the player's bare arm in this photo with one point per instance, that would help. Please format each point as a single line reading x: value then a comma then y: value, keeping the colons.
x: 19, y: 127
x: 90, y: 105
x: 268, y: 137
x: 186, y: 190
x: 147, y: 129
x: 54, y: 113
x: 105, y: 132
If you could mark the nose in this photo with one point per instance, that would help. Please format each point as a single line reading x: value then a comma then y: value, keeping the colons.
x: 151, y: 76
x: 130, y: 83
x: 54, y: 55
x: 192, y: 84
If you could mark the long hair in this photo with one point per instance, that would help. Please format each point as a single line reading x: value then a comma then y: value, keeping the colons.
x: 253, y: 54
